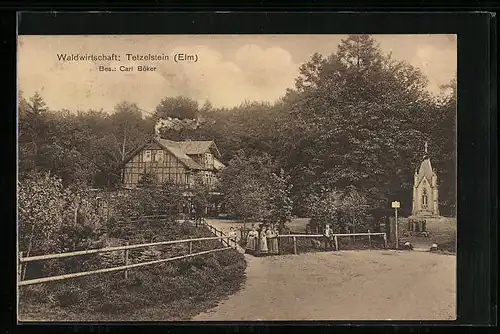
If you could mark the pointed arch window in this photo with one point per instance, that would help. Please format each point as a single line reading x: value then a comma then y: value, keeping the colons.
x: 424, y: 198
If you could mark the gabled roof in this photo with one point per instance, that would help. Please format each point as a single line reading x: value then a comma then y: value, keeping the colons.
x: 175, y: 148
x: 195, y: 147
x: 218, y: 165
x: 180, y: 149
x: 425, y: 170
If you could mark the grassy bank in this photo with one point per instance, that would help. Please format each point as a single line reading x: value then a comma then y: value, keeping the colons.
x: 163, y: 292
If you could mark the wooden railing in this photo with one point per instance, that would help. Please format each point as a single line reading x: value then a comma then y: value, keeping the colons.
x: 135, y: 219
x: 215, y: 231
x: 335, y: 237
x: 126, y: 265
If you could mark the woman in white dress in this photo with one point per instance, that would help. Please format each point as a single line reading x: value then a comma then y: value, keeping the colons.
x: 263, y: 241
x: 275, y: 240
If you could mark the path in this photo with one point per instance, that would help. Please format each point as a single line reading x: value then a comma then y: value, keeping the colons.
x: 346, y: 285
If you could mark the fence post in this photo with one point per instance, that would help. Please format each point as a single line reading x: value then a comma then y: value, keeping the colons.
x: 385, y: 240
x: 369, y: 238
x: 294, y: 245
x: 20, y: 267
x: 126, y: 261
x: 336, y: 244
x: 190, y: 247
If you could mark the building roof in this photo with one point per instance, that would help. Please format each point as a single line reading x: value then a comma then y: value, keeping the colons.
x: 425, y: 169
x: 180, y: 149
x: 176, y: 149
x: 195, y: 147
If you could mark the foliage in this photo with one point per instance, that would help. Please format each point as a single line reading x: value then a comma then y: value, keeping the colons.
x: 53, y: 219
x: 177, y: 107
x: 279, y: 203
x: 324, y: 208
x: 200, y: 197
x: 184, y: 287
x: 354, y: 207
x: 81, y: 147
x: 41, y: 202
x: 356, y: 117
x: 146, y: 180
x: 363, y: 118
x: 245, y: 185
x: 149, y: 201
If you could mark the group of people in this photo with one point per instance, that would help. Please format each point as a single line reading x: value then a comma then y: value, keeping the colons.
x: 263, y: 241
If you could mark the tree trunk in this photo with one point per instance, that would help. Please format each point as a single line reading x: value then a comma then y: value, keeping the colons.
x: 30, y: 245
x: 353, y: 230
x: 124, y: 142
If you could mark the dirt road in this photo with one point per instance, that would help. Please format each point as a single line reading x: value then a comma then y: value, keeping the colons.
x: 345, y: 285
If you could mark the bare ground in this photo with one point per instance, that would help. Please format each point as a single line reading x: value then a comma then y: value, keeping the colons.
x: 345, y: 285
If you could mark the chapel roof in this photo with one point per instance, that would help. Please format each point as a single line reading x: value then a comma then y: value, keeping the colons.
x: 425, y: 169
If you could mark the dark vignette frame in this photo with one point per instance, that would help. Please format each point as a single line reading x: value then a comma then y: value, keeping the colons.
x: 477, y: 128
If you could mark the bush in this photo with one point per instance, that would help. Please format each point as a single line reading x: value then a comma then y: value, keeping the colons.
x: 53, y: 219
x: 182, y: 286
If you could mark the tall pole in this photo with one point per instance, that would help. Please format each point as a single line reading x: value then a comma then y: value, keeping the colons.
x: 397, y: 234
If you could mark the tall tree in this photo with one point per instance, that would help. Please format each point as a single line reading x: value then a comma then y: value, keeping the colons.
x: 32, y: 127
x: 245, y: 185
x: 180, y: 107
x: 129, y: 128
x: 279, y: 204
x: 357, y: 112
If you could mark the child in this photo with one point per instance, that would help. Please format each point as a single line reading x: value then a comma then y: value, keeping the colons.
x: 232, y: 236
x: 408, y: 246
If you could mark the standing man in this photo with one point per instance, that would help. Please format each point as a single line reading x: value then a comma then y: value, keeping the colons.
x: 329, y: 235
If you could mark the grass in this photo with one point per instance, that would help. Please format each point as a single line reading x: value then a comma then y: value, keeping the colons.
x: 440, y: 231
x: 163, y: 292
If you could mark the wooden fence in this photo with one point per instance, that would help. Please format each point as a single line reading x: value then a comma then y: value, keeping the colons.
x: 225, y: 239
x: 136, y: 219
x: 126, y: 265
x: 335, y: 238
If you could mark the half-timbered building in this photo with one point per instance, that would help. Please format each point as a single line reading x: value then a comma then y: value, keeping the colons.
x: 161, y: 160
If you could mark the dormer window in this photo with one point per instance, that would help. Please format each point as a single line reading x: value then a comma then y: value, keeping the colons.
x: 209, y: 159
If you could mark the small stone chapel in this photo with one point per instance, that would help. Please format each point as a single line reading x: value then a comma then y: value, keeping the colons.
x: 425, y: 194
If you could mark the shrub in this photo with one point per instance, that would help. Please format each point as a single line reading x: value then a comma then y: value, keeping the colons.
x: 182, y: 286
x: 53, y: 219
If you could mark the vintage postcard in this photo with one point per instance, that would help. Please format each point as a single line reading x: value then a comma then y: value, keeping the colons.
x: 237, y: 177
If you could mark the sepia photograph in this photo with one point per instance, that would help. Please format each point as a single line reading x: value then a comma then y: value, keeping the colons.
x: 236, y: 177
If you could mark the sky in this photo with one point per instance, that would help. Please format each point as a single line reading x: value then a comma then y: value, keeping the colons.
x: 229, y: 68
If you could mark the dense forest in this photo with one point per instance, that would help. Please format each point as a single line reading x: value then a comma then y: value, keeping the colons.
x: 354, y: 125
